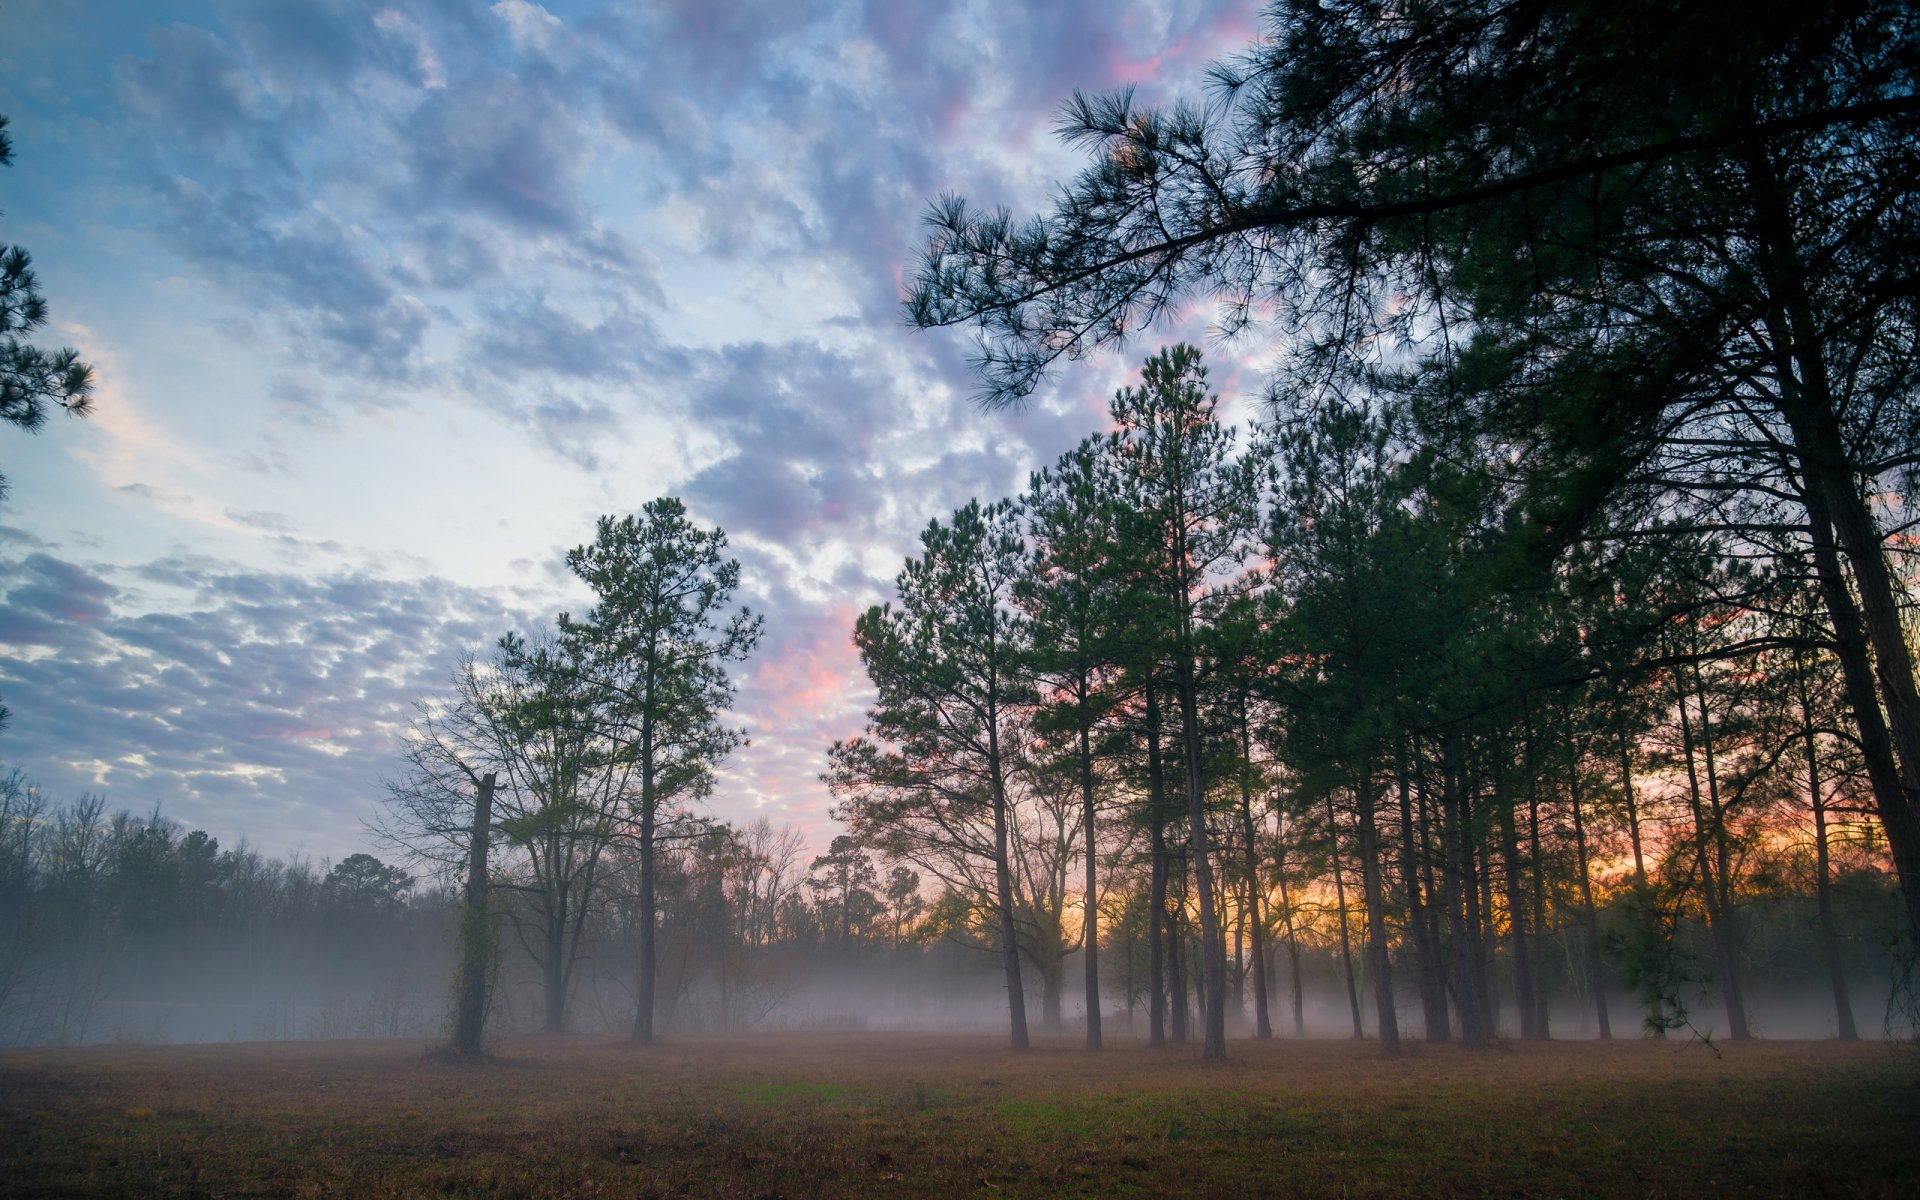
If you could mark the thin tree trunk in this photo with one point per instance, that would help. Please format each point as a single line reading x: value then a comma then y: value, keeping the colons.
x: 1734, y: 987
x: 1723, y: 948
x: 1177, y: 1008
x: 1589, y: 917
x: 1823, y: 878
x: 1213, y: 947
x: 1003, y: 896
x: 1433, y: 993
x: 1236, y: 896
x: 1256, y: 924
x: 1340, y: 900
x: 1293, y: 949
x: 649, y: 965
x: 1480, y: 855
x: 1375, y: 896
x: 1630, y: 798
x: 554, y: 969
x: 1439, y: 900
x: 1463, y: 910
x: 1536, y: 872
x: 1157, y: 900
x: 1516, y: 919
x: 1090, y: 923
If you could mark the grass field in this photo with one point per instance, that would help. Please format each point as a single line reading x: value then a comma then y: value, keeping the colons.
x: 924, y: 1114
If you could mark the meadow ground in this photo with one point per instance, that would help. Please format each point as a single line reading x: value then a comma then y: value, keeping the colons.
x: 877, y: 1114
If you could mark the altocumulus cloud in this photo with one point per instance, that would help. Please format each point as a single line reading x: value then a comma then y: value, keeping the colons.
x: 241, y: 701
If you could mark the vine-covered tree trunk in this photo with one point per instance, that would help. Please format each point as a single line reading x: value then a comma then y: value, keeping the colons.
x: 478, y: 951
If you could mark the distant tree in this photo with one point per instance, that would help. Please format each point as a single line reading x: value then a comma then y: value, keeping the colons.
x: 363, y: 882
x: 845, y: 889
x: 904, y: 902
x: 653, y: 653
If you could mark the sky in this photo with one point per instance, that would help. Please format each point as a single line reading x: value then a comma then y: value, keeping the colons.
x: 388, y: 302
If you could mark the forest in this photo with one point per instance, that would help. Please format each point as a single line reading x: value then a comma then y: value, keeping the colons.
x: 1270, y: 706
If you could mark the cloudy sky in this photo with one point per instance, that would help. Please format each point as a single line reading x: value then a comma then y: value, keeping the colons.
x: 388, y: 301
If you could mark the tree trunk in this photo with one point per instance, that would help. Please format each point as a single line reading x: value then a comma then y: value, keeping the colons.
x: 1256, y: 924
x: 1053, y: 987
x: 477, y: 949
x: 1213, y: 947
x: 1434, y: 968
x: 1724, y: 949
x: 1483, y: 908
x: 1425, y: 953
x: 649, y: 964
x: 1536, y: 871
x: 554, y: 969
x: 1631, y: 800
x: 1293, y: 949
x: 1157, y: 899
x: 1340, y: 901
x: 1589, y: 917
x: 1839, y: 516
x: 1516, y: 919
x: 1090, y: 922
x: 1823, y: 878
x: 1463, y: 909
x: 1003, y: 897
x: 1177, y: 1007
x: 1374, y: 894
x: 1888, y: 778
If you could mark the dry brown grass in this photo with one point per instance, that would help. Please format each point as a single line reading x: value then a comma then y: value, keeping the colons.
x: 911, y: 1114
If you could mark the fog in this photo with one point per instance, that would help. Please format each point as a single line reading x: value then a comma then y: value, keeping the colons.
x: 124, y: 928
x: 400, y: 987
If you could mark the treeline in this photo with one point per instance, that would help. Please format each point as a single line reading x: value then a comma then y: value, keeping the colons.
x: 1216, y: 688
x: 114, y: 925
